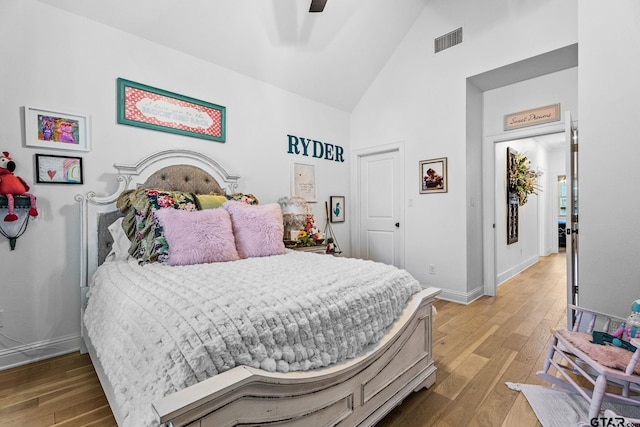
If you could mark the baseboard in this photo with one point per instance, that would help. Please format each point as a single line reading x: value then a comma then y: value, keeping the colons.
x: 461, y: 297
x: 503, y: 277
x: 23, y: 354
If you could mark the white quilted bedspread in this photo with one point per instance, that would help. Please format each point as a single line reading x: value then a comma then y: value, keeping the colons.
x: 158, y: 329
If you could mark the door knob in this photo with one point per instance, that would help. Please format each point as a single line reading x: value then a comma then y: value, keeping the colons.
x: 397, y: 225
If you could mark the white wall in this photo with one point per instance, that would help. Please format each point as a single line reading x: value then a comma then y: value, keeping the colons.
x: 56, y: 60
x: 609, y: 271
x: 421, y: 98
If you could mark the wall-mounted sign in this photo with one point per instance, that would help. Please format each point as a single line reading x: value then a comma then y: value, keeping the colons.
x: 312, y: 148
x: 535, y: 116
x: 152, y: 108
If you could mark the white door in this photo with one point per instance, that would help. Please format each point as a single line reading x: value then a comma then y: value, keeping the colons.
x: 379, y: 182
x: 571, y: 230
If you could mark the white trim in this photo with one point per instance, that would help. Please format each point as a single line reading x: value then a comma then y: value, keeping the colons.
x: 355, y: 191
x: 39, y: 350
x: 490, y: 279
x: 461, y: 297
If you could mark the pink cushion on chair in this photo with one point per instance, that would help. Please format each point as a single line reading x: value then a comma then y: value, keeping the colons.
x: 607, y: 355
x: 198, y: 237
x: 258, y: 229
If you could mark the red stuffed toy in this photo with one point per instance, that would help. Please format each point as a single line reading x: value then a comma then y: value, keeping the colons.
x: 11, y: 185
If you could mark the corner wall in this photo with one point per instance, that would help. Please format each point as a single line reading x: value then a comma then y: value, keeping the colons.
x: 609, y: 149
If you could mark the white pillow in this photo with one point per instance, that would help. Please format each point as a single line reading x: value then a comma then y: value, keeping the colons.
x: 120, y: 249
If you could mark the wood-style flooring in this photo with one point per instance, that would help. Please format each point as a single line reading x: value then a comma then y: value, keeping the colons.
x: 477, y: 348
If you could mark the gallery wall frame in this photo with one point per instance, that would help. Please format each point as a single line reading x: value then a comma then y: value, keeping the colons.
x: 433, y: 176
x: 47, y: 128
x: 337, y: 208
x: 157, y: 109
x: 53, y: 169
x: 303, y: 181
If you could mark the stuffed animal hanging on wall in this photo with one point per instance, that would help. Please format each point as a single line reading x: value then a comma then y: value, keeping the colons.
x: 11, y: 185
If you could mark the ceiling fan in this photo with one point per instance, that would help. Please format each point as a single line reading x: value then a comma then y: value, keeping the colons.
x: 317, y: 5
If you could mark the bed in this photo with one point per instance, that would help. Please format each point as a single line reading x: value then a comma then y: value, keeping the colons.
x: 292, y: 338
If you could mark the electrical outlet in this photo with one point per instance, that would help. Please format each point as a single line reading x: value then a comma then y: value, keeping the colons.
x: 432, y: 269
x: 1, y: 318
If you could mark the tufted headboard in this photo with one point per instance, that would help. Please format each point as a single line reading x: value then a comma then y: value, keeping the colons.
x: 187, y: 178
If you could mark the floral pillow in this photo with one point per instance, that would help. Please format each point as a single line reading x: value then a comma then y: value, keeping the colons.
x: 153, y: 244
x: 249, y: 199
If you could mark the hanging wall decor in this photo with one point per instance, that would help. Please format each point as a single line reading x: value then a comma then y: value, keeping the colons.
x: 303, y: 181
x: 512, y: 199
x: 337, y: 208
x: 152, y: 108
x: 56, y: 130
x: 52, y: 169
x: 433, y: 176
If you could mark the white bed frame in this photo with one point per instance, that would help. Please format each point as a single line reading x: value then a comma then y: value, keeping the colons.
x: 358, y: 392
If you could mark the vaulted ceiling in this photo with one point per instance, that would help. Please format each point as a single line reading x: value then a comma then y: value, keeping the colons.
x: 331, y: 57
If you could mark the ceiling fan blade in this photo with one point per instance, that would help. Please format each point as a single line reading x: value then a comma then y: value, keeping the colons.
x: 317, y: 5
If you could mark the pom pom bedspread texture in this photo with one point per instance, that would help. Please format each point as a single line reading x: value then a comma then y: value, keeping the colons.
x: 158, y: 329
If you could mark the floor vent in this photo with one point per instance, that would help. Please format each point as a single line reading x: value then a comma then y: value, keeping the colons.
x: 450, y: 39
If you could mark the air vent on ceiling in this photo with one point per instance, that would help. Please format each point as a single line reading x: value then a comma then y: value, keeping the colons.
x: 450, y: 39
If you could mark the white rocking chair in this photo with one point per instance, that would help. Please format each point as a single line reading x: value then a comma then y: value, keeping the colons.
x: 611, y: 370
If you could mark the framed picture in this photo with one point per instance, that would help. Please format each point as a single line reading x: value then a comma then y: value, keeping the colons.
x: 52, y: 169
x: 433, y: 176
x: 151, y: 108
x: 55, y: 129
x: 303, y: 181
x: 337, y: 208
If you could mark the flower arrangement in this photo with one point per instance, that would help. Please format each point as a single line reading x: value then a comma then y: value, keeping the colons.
x: 311, y: 235
x: 522, y: 180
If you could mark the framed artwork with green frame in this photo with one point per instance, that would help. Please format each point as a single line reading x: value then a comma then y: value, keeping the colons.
x: 152, y: 108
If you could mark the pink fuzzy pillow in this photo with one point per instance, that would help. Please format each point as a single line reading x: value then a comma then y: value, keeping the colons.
x: 258, y: 229
x: 198, y: 237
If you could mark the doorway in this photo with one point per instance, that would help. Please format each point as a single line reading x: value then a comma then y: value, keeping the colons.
x: 536, y: 232
x: 538, y: 218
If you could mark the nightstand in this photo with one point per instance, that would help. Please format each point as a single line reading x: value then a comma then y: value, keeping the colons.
x: 317, y: 249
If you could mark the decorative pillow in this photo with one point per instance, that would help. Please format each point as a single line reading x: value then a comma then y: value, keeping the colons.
x: 146, y: 235
x: 258, y: 229
x: 153, y: 245
x: 130, y: 203
x: 121, y: 243
x: 197, y: 237
x: 210, y: 201
x: 245, y: 198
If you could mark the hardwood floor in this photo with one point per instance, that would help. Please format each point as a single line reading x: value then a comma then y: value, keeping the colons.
x: 477, y: 348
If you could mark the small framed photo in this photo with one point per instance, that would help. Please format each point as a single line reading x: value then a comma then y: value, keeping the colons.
x: 337, y: 208
x: 303, y: 181
x: 52, y: 169
x: 56, y: 130
x: 433, y: 176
